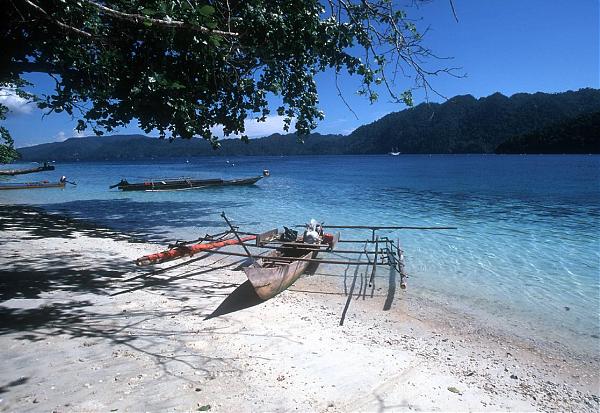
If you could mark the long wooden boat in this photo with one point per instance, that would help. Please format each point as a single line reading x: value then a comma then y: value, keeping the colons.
x: 181, y: 184
x: 32, y: 185
x: 13, y: 172
x: 270, y: 277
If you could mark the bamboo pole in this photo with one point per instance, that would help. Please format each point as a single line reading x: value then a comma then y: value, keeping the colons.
x: 379, y: 227
x: 401, y: 266
x: 374, y: 262
x: 236, y: 235
x: 308, y: 247
x: 285, y: 260
x: 383, y: 227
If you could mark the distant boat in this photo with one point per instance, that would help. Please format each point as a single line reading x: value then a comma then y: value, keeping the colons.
x: 41, y: 168
x: 182, y: 184
x: 394, y: 152
x: 35, y: 185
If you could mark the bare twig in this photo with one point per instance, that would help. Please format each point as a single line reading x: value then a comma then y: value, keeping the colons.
x: 453, y: 10
x: 138, y: 18
x: 341, y: 96
x: 61, y: 24
x: 17, y: 10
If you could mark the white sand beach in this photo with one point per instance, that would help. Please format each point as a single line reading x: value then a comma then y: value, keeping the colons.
x: 83, y: 329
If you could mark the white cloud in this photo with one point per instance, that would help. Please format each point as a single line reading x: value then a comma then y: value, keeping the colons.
x: 255, y: 129
x: 273, y: 124
x: 16, y: 104
x: 60, y: 136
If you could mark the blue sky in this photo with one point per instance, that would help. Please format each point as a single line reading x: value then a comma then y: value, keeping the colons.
x: 506, y: 46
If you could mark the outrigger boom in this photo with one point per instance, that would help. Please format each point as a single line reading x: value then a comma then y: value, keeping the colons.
x: 282, y: 260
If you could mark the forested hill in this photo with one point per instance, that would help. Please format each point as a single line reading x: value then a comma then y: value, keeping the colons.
x: 132, y: 147
x: 579, y: 135
x: 462, y: 124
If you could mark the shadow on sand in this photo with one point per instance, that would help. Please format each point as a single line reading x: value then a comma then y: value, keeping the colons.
x: 40, y: 275
x: 241, y: 298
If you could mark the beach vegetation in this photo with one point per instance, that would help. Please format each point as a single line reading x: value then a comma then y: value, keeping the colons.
x: 7, y: 149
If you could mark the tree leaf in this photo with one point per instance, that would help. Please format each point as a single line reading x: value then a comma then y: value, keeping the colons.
x: 206, y: 10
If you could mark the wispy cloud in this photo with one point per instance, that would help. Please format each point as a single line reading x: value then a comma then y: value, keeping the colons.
x: 16, y: 104
x: 273, y: 124
x: 255, y: 129
x: 60, y: 136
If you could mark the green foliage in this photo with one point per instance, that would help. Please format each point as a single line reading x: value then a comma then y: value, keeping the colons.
x: 465, y: 124
x: 578, y: 135
x: 183, y: 68
x: 7, y: 150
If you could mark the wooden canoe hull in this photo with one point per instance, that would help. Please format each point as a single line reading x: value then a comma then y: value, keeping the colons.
x: 182, y: 185
x: 13, y: 172
x: 32, y: 185
x: 268, y: 281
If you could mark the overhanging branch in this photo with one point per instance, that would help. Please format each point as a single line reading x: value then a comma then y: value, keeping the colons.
x: 138, y: 18
x: 37, y: 67
x: 61, y: 24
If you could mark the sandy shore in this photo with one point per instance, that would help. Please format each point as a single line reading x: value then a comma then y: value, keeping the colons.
x: 83, y: 329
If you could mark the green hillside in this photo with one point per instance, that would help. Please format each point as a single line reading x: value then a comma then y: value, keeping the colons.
x: 462, y: 124
x: 579, y: 135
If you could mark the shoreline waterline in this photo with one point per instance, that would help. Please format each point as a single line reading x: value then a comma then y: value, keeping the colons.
x: 526, y: 250
x: 447, y: 313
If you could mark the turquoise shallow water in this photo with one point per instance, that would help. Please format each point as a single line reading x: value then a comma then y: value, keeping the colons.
x: 526, y: 254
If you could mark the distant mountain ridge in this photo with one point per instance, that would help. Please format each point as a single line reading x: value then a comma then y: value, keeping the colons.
x: 138, y: 147
x: 465, y: 124
x: 462, y: 124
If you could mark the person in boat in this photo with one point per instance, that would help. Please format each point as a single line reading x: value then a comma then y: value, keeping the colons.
x: 313, y: 232
x: 63, y: 180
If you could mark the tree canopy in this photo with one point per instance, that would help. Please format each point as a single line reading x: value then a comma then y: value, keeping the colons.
x: 184, y: 67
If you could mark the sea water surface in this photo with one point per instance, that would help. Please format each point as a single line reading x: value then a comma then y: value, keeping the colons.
x: 526, y: 253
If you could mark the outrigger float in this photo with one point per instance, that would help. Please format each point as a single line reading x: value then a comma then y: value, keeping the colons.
x: 185, y: 183
x: 284, y: 257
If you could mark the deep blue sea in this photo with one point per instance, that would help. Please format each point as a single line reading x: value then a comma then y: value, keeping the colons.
x: 526, y: 253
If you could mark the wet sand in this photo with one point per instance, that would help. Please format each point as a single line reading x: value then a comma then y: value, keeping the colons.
x: 83, y: 329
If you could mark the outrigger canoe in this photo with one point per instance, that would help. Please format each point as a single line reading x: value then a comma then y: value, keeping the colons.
x: 181, y: 184
x: 35, y: 185
x: 286, y: 256
x: 41, y: 168
x: 269, y: 274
